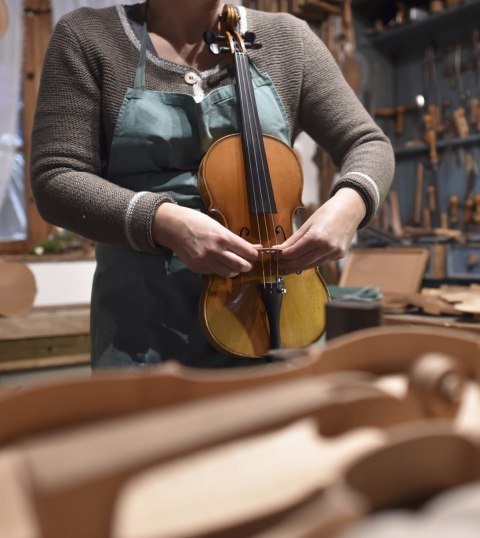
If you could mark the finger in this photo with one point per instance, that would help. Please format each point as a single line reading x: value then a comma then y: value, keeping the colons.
x: 301, y: 249
x: 298, y: 245
x: 294, y: 238
x: 221, y: 270
x: 235, y: 263
x: 307, y: 262
x: 242, y: 248
x: 308, y: 244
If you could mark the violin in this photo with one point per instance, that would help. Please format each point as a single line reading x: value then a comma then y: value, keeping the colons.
x: 252, y: 184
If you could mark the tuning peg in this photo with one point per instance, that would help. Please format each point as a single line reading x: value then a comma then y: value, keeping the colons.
x: 253, y: 46
x: 249, y: 40
x: 215, y: 48
x: 211, y: 37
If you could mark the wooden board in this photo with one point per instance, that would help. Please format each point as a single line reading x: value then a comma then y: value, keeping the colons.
x: 45, y: 337
x: 48, y: 321
x: 394, y: 270
x: 447, y: 322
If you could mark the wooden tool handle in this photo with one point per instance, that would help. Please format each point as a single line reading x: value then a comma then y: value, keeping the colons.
x: 468, y: 213
x: 436, y: 6
x: 396, y: 216
x: 348, y: 23
x: 474, y: 104
x: 431, y: 139
x: 453, y: 209
x: 427, y: 218
x: 444, y: 220
x: 417, y: 216
x: 434, y: 112
x: 469, y: 172
x: 460, y: 122
x: 432, y: 202
x: 476, y: 201
x: 399, y: 120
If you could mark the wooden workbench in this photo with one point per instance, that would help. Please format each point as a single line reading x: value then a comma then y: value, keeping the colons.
x: 449, y: 322
x: 45, y: 337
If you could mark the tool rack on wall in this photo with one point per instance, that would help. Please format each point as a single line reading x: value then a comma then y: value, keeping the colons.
x: 433, y: 119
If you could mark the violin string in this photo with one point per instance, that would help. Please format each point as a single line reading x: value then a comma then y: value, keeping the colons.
x: 259, y: 136
x: 251, y: 152
x: 262, y: 175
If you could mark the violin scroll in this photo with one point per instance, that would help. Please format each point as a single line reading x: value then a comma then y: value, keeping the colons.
x: 219, y: 43
x: 229, y: 35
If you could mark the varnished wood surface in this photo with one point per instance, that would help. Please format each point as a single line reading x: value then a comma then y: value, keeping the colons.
x: 232, y: 312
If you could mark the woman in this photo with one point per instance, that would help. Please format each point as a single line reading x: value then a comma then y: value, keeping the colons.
x: 118, y: 137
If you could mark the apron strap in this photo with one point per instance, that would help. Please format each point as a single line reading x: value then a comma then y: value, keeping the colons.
x: 139, y: 83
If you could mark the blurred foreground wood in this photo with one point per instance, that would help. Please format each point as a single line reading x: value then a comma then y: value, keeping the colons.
x: 281, y: 450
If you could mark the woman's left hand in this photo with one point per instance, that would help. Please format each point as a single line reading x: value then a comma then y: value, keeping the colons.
x: 326, y: 235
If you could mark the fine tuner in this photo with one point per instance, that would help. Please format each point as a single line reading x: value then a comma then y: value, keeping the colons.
x: 218, y: 43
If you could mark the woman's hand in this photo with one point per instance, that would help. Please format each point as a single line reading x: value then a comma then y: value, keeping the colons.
x: 201, y: 242
x: 326, y: 235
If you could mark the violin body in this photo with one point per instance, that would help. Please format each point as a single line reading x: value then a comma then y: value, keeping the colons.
x: 233, y: 315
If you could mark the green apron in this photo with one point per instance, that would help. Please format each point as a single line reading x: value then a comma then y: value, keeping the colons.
x: 144, y: 307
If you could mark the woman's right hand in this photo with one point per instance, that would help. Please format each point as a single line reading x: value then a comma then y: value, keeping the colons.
x: 201, y: 242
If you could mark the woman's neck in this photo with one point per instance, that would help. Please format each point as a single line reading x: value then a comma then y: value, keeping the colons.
x: 183, y: 21
x: 176, y: 30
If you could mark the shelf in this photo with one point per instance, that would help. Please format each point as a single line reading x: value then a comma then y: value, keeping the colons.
x: 452, y: 24
x: 374, y: 9
x: 441, y: 145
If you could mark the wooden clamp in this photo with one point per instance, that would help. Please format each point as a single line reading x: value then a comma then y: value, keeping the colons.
x: 460, y: 121
x: 430, y: 138
x: 417, y: 215
x: 474, y: 105
x: 398, y: 113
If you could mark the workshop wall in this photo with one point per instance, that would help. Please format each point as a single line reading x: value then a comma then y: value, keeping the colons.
x: 431, y: 54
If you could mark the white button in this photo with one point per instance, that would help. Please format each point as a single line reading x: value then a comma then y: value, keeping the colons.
x: 191, y: 78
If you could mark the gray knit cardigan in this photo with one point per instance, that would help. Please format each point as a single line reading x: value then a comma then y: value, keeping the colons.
x: 90, y: 63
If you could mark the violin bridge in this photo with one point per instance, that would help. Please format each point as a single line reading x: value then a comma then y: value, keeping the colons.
x: 267, y: 250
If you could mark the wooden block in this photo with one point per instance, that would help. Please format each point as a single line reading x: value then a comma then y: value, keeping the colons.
x: 438, y: 261
x: 394, y: 270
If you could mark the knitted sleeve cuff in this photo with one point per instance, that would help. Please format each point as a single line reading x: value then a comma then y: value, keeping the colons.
x: 139, y: 218
x: 366, y: 187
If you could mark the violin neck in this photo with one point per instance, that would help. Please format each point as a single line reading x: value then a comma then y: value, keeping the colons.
x: 260, y: 192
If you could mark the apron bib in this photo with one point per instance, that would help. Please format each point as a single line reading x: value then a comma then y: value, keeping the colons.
x: 144, y: 306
